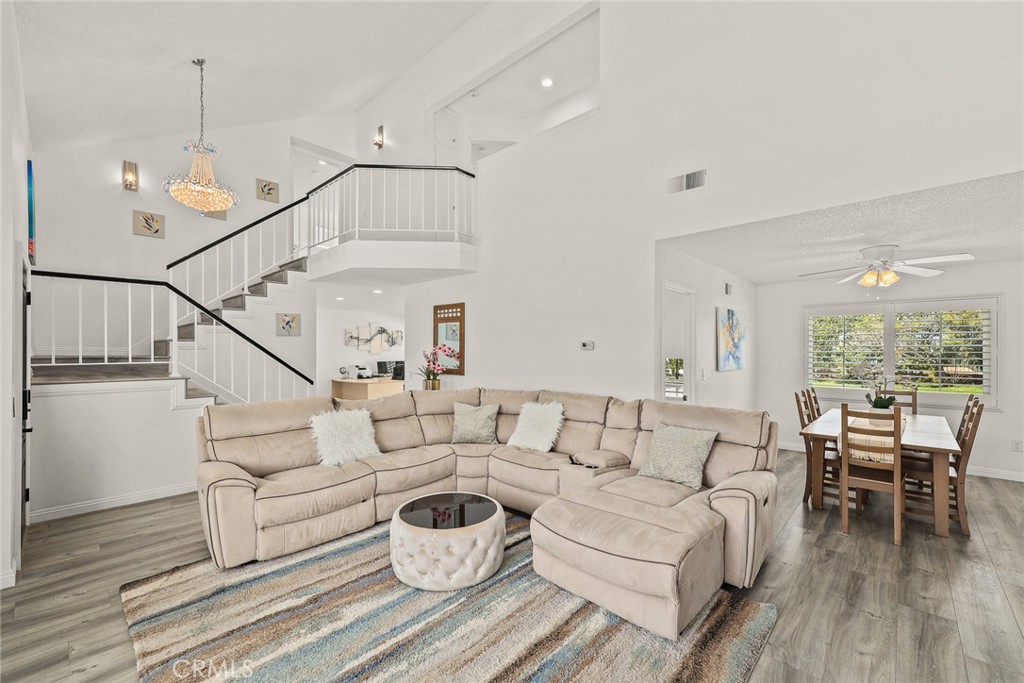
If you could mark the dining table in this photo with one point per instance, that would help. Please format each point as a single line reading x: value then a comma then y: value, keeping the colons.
x: 927, y: 435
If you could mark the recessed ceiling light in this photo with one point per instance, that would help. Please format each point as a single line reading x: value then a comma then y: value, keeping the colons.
x: 321, y: 162
x: 547, y: 82
x: 339, y: 298
x: 378, y: 291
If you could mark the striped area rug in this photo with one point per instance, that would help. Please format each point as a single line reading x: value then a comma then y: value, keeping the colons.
x: 336, y: 612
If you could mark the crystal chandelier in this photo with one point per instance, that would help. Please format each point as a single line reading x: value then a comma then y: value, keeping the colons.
x: 199, y: 189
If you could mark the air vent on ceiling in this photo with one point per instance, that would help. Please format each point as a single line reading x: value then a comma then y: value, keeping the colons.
x: 688, y: 181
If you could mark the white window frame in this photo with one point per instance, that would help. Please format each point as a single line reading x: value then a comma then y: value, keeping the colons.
x: 888, y: 308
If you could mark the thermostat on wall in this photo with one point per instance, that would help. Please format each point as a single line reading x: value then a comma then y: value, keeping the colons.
x: 587, y: 345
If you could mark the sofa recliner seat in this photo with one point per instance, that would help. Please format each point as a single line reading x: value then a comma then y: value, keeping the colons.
x: 652, y: 551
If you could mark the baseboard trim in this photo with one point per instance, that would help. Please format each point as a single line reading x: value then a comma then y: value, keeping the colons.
x: 72, y: 509
x: 7, y: 578
x: 792, y: 446
x: 991, y: 473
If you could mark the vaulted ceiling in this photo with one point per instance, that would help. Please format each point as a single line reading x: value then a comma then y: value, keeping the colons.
x: 97, y: 71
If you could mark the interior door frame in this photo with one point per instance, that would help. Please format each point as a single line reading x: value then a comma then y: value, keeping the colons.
x: 678, y: 288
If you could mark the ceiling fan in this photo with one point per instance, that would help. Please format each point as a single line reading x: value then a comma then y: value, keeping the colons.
x: 883, y: 268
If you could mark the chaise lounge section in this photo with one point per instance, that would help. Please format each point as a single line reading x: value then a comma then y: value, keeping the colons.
x: 650, y: 550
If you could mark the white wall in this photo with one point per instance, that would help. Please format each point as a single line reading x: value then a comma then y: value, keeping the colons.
x: 85, y: 217
x: 15, y: 149
x: 403, y: 106
x: 733, y: 389
x: 781, y: 355
x: 331, y: 350
x: 787, y: 107
x: 84, y: 462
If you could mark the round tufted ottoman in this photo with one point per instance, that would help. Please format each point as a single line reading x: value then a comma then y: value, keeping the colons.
x: 445, y: 541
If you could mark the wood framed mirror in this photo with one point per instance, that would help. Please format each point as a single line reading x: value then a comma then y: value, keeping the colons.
x: 450, y: 329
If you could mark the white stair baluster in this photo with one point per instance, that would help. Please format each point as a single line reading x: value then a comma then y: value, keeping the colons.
x: 80, y: 323
x: 152, y: 324
x: 106, y: 344
x: 129, y: 323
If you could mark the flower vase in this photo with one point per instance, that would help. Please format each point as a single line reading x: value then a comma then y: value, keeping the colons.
x: 431, y: 385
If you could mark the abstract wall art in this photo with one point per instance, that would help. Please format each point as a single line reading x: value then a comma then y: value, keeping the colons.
x: 373, y: 338
x: 289, y: 324
x: 732, y: 333
x: 268, y: 191
x: 148, y: 224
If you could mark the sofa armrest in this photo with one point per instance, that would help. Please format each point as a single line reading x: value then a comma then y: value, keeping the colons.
x: 570, y: 475
x: 600, y: 459
x: 747, y: 501
x: 214, y: 473
x: 227, y: 506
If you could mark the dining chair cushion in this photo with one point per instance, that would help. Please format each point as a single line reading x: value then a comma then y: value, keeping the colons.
x: 871, y: 440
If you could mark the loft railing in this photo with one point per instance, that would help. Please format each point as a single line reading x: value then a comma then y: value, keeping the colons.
x: 103, y: 320
x: 362, y: 202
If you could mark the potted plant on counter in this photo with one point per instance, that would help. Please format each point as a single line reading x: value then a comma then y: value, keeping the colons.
x: 434, y: 368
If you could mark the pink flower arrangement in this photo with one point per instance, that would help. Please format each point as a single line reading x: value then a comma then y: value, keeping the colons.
x: 434, y: 368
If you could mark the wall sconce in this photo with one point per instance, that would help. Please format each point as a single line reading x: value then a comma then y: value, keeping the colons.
x: 130, y: 176
x: 378, y: 139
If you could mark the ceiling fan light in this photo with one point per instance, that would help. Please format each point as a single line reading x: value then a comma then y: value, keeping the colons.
x: 869, y: 279
x: 888, y: 277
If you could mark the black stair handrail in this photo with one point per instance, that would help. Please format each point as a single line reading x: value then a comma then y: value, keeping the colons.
x: 330, y: 180
x: 183, y: 295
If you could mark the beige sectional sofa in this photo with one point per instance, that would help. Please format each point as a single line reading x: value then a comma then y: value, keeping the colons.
x: 650, y: 550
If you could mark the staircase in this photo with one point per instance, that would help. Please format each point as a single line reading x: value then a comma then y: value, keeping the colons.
x: 90, y: 328
x: 237, y: 302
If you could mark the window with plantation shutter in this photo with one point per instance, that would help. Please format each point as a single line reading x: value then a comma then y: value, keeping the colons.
x: 840, y: 348
x: 939, y: 346
x: 944, y: 350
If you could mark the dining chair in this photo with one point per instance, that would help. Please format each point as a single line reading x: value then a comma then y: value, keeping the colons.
x: 870, y: 459
x: 812, y: 399
x: 830, y: 472
x: 911, y: 402
x: 923, y: 502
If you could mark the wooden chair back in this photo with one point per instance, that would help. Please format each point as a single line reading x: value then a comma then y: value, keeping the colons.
x: 812, y: 402
x: 911, y: 395
x: 966, y: 439
x: 968, y: 407
x: 891, y: 427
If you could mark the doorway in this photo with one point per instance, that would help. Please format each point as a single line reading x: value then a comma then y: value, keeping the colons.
x: 677, y: 343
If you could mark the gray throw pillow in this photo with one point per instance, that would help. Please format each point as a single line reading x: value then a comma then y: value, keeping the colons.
x: 475, y: 424
x: 678, y: 454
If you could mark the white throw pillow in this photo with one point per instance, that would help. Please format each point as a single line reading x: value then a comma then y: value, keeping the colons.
x: 538, y: 426
x: 343, y: 436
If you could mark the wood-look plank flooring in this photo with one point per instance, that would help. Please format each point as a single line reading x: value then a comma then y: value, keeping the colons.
x: 852, y: 607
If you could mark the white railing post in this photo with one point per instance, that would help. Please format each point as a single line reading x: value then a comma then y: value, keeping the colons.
x: 80, y: 323
x: 152, y: 324
x: 129, y: 323
x: 172, y: 331
x: 245, y: 263
x: 309, y: 227
x: 216, y: 289
x: 106, y: 327
x: 53, y: 322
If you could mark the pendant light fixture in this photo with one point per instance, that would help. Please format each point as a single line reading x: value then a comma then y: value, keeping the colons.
x: 200, y: 189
